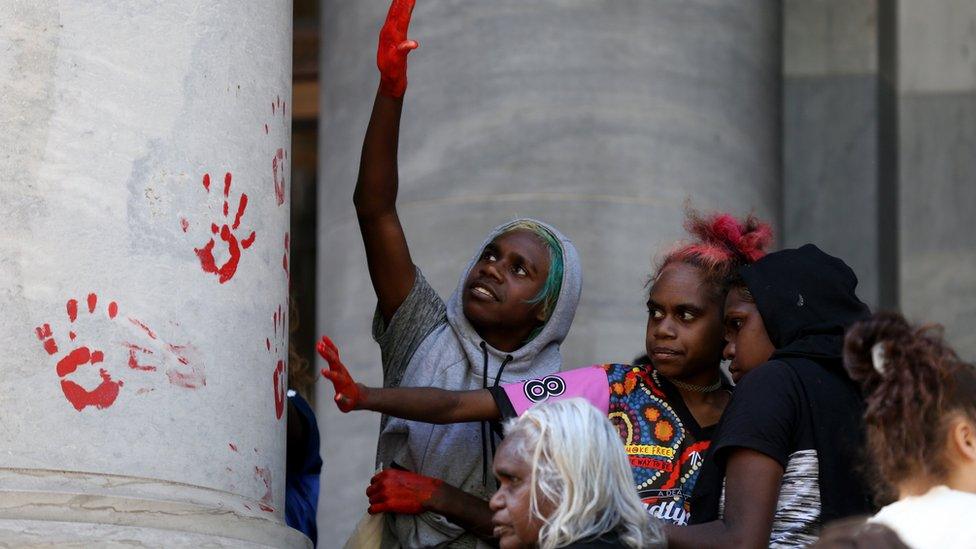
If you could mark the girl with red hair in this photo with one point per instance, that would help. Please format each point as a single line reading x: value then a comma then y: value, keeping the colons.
x: 665, y: 412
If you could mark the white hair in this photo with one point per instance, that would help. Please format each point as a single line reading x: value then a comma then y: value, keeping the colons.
x: 579, y: 466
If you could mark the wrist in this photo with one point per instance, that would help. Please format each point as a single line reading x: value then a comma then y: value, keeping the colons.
x: 439, y: 498
x: 394, y: 88
x: 364, y: 401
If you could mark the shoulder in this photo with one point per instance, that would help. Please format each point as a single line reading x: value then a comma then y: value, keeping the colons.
x: 774, y: 375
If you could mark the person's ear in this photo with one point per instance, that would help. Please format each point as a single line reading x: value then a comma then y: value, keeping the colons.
x: 963, y: 436
x: 540, y: 314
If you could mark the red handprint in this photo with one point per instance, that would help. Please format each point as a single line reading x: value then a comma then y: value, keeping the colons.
x: 280, y: 375
x: 348, y: 393
x: 279, y: 155
x: 398, y: 491
x: 184, y: 368
x: 226, y: 271
x: 391, y: 55
x: 105, y: 393
x: 284, y: 260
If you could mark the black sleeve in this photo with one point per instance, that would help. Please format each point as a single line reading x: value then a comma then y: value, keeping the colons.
x: 764, y: 414
x: 504, y: 404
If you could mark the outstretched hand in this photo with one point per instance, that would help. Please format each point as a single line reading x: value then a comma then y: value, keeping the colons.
x: 348, y: 393
x: 391, y: 55
x: 398, y: 491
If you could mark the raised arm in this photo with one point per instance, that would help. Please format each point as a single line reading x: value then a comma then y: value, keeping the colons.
x: 390, y: 267
x: 425, y: 404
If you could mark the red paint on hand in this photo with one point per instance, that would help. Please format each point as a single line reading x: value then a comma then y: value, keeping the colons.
x: 391, y: 54
x: 347, y: 393
x: 208, y: 263
x: 397, y: 491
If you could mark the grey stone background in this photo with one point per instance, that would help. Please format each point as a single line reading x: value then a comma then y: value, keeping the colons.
x: 848, y: 123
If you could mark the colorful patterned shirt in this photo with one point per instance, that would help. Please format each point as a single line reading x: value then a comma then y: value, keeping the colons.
x: 664, y: 443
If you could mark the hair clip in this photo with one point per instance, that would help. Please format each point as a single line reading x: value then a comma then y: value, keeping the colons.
x: 878, y: 357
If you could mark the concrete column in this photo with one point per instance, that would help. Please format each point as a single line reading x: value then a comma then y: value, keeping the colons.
x: 601, y: 117
x: 830, y: 134
x: 936, y: 164
x: 143, y: 285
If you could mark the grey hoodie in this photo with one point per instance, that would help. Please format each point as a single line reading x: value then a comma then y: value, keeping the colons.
x: 428, y: 344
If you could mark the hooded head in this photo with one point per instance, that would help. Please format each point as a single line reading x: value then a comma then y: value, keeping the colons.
x: 519, y: 291
x: 801, y: 300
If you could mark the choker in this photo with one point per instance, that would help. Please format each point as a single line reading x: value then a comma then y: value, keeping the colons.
x: 712, y: 387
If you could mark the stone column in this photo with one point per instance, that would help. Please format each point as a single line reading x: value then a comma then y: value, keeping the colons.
x: 935, y: 142
x: 144, y: 281
x: 831, y: 178
x: 601, y: 117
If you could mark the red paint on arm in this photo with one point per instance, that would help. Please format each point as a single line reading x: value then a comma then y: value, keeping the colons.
x: 206, y: 181
x: 92, y: 300
x: 113, y: 309
x: 72, y: 309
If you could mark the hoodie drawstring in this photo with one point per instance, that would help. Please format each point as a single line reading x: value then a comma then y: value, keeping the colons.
x: 484, y: 444
x: 486, y: 432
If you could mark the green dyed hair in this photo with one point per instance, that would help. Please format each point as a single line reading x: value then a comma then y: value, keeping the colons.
x: 549, y: 293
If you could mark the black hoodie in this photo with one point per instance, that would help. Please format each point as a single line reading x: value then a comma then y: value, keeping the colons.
x: 800, y: 407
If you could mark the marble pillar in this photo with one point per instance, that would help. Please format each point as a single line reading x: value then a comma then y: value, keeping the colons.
x: 142, y: 283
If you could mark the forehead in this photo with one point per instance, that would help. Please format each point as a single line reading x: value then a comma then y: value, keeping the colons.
x: 509, y: 460
x: 735, y: 301
x: 524, y: 242
x: 679, y: 283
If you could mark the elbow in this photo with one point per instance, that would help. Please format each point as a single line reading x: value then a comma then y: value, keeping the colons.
x: 370, y: 208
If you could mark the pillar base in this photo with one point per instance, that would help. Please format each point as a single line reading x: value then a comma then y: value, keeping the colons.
x: 56, y: 508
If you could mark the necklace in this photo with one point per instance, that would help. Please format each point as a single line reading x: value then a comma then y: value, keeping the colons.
x: 690, y: 386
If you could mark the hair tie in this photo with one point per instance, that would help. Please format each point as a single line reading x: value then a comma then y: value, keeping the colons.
x: 878, y: 357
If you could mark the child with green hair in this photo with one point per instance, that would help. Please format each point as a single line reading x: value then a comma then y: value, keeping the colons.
x: 512, y: 308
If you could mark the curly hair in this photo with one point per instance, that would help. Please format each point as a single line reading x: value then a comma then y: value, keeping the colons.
x: 913, y: 385
x: 722, y: 244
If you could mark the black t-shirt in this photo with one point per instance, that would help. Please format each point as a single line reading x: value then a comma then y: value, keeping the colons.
x: 775, y: 411
x: 606, y: 541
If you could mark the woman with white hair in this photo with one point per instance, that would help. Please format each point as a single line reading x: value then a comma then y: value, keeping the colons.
x: 564, y: 482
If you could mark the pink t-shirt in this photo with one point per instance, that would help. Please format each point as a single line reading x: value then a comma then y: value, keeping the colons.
x: 590, y: 383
